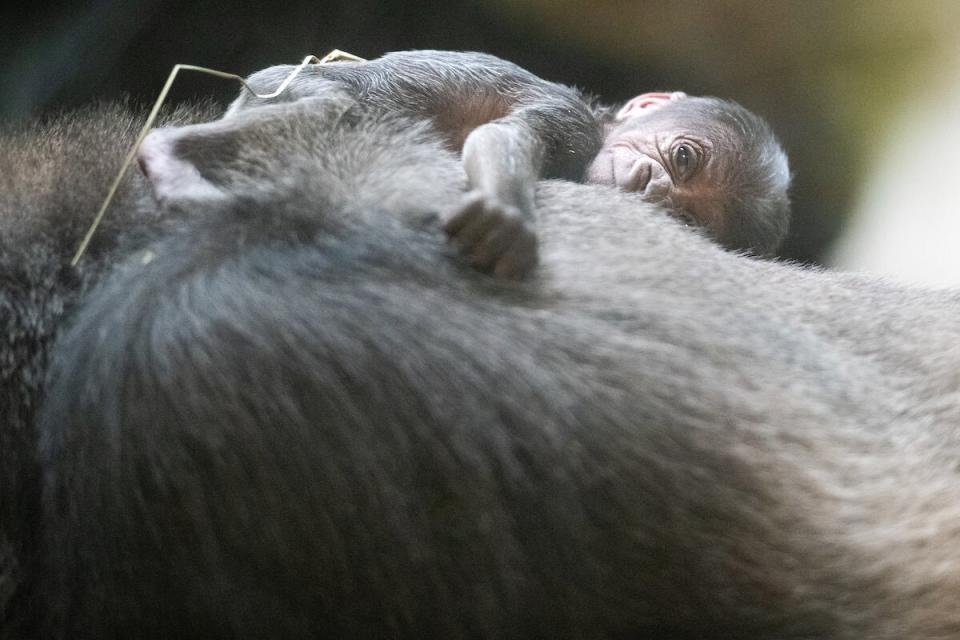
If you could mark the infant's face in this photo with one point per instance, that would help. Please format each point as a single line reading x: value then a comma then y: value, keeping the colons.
x: 665, y: 154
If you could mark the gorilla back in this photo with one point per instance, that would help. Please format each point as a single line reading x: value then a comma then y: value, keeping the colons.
x: 299, y: 415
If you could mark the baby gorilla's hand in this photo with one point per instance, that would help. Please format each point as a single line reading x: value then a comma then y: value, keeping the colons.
x: 494, y: 236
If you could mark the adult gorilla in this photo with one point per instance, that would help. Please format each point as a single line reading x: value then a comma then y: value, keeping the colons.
x: 291, y: 411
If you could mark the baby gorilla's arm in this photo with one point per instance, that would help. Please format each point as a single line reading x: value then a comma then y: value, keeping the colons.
x: 546, y: 131
x: 495, y: 226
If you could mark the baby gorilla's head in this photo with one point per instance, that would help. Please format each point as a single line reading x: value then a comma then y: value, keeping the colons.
x: 710, y: 161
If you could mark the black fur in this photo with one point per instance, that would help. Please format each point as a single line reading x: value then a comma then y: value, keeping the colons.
x: 53, y: 175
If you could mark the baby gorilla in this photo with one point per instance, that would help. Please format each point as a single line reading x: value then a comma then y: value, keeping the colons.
x: 710, y: 162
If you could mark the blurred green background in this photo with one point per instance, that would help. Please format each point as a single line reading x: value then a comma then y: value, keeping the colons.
x: 840, y: 80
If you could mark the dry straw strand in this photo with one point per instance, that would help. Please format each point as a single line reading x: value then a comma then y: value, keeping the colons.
x: 334, y: 56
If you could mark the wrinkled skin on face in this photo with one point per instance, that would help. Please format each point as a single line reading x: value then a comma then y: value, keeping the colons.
x: 667, y: 154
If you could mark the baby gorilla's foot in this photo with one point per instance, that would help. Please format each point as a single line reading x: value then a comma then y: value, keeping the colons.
x: 495, y: 237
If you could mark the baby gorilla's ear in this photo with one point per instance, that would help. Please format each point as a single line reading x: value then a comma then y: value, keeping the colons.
x: 646, y: 103
x: 177, y: 177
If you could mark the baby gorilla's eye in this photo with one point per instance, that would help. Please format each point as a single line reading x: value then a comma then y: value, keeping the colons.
x: 685, y: 160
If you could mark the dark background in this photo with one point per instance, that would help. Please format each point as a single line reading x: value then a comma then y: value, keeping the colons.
x: 825, y: 73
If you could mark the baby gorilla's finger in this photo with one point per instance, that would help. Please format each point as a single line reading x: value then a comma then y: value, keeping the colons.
x: 509, y: 226
x: 519, y: 259
x: 483, y: 224
x: 473, y: 203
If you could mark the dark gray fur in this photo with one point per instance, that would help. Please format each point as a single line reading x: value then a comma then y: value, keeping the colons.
x: 456, y: 90
x: 511, y: 127
x: 296, y: 416
x: 514, y: 128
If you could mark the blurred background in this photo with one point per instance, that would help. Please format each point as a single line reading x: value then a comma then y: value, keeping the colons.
x: 864, y: 94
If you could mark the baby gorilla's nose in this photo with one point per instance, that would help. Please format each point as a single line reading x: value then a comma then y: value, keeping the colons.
x: 631, y: 171
x: 635, y: 177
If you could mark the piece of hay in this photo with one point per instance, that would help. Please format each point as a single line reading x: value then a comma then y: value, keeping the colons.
x: 334, y: 56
